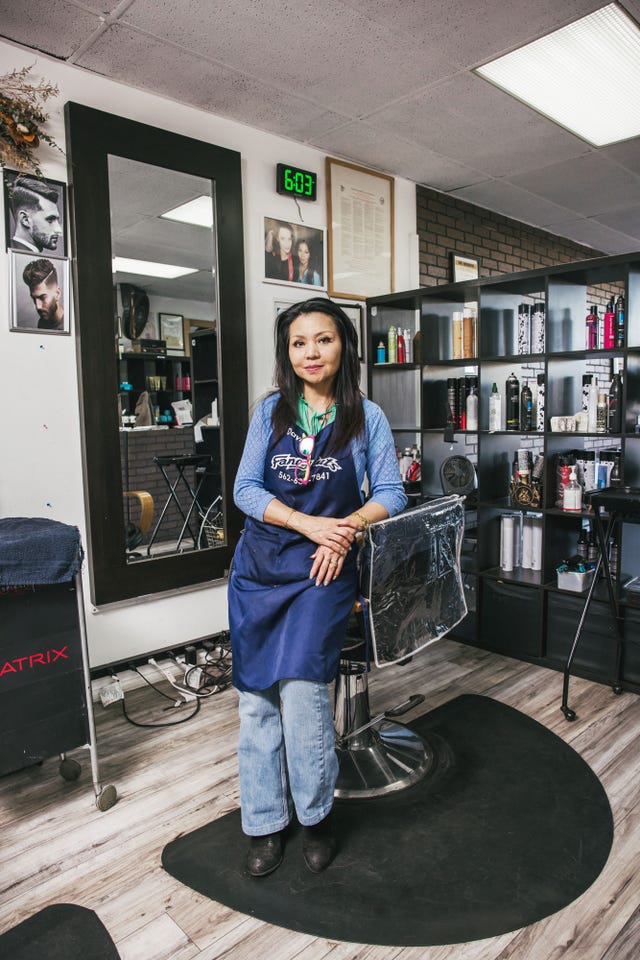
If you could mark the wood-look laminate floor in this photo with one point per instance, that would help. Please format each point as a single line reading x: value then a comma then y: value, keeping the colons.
x: 57, y: 847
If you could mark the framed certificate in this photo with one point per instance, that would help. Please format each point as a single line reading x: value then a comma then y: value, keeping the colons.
x: 360, y: 218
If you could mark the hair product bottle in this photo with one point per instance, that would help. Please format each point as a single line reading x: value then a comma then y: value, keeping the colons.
x: 615, y: 404
x: 524, y: 328
x: 602, y: 412
x: 512, y: 403
x: 610, y: 326
x: 400, y: 349
x: 392, y: 340
x: 592, y: 328
x: 592, y: 406
x: 452, y: 401
x: 620, y: 321
x: 526, y: 407
x: 472, y: 409
x: 495, y: 410
x: 537, y: 328
x: 572, y: 493
x: 456, y: 335
x: 381, y: 353
x: 540, y: 402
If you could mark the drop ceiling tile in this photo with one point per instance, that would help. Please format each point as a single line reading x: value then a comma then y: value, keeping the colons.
x: 625, y: 221
x: 201, y: 83
x: 364, y: 144
x: 467, y: 117
x: 332, y: 54
x: 504, y: 198
x: 471, y: 36
x: 626, y: 153
x: 57, y: 27
x: 595, y: 235
x: 590, y: 185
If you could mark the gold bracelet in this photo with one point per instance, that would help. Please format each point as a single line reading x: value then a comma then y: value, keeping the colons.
x: 363, y: 520
x: 286, y: 523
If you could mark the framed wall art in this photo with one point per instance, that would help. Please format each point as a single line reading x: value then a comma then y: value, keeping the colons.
x: 354, y: 312
x: 293, y: 254
x: 463, y: 267
x: 360, y: 216
x: 172, y: 332
x: 38, y: 294
x: 35, y: 215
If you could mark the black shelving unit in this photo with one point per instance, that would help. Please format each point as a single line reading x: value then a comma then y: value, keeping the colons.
x: 521, y: 613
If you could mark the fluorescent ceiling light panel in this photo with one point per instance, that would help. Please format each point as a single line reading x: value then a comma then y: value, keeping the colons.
x: 148, y: 268
x: 585, y: 76
x: 199, y: 212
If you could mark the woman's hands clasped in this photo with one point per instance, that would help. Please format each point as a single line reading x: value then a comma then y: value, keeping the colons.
x: 334, y: 538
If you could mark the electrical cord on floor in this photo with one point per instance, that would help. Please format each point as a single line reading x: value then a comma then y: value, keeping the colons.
x: 176, y: 703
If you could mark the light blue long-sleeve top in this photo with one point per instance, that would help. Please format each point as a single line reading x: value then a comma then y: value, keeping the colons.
x: 373, y: 453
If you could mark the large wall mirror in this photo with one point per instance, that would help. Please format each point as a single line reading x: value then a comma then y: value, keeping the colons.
x: 160, y: 322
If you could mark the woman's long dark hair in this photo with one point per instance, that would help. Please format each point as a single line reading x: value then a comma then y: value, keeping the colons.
x: 349, y: 422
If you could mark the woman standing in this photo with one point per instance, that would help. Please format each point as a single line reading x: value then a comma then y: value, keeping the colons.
x: 293, y: 581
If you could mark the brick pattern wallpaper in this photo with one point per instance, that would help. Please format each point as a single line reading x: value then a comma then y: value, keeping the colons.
x: 500, y: 245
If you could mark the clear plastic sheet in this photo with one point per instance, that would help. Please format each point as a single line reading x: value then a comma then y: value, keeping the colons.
x: 410, y: 573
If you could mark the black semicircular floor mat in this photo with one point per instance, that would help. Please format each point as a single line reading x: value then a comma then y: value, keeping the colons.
x: 62, y: 931
x: 510, y: 827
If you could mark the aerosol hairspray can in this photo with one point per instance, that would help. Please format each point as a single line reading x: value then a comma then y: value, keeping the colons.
x: 452, y: 396
x: 512, y: 403
x: 540, y: 396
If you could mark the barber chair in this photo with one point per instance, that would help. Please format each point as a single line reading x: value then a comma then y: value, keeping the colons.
x: 136, y: 529
x: 413, y: 595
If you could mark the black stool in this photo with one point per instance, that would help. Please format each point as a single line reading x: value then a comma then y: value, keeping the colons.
x: 620, y: 504
x: 200, y: 462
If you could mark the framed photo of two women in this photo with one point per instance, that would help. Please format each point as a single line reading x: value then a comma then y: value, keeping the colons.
x: 294, y: 254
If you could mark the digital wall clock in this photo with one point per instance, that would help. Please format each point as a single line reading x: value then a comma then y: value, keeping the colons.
x: 293, y: 182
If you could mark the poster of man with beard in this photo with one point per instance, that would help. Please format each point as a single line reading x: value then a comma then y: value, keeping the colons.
x: 39, y: 290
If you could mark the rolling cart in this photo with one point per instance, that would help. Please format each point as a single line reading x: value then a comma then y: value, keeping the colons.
x: 46, y: 705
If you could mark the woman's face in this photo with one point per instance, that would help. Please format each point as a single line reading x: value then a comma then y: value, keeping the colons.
x: 303, y: 254
x: 285, y: 240
x: 315, y: 349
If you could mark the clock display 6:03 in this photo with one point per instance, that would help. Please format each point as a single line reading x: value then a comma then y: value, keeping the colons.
x: 294, y: 182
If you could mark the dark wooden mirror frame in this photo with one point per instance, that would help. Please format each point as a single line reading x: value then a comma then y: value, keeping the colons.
x: 91, y: 136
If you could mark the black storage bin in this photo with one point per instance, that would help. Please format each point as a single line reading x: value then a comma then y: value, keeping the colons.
x: 631, y: 658
x: 42, y: 699
x: 596, y: 652
x: 467, y: 628
x: 510, y: 619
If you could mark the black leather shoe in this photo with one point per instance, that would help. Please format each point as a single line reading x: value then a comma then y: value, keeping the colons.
x: 319, y: 845
x: 265, y: 854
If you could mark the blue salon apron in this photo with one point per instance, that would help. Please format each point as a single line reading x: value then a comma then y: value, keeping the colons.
x: 282, y: 625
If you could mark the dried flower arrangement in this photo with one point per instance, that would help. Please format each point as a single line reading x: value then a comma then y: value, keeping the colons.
x: 22, y: 118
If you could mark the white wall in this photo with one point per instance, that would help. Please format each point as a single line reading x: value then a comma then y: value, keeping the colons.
x: 41, y: 465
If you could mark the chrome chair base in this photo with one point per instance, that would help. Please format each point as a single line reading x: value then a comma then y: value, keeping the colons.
x: 376, y: 756
x: 393, y: 758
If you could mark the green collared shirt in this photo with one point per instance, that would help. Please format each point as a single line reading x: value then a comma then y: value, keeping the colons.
x: 312, y: 422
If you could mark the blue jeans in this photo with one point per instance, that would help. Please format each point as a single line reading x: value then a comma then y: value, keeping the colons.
x: 286, y: 755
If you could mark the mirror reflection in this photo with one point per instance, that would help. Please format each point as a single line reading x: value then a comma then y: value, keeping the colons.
x: 166, y: 338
